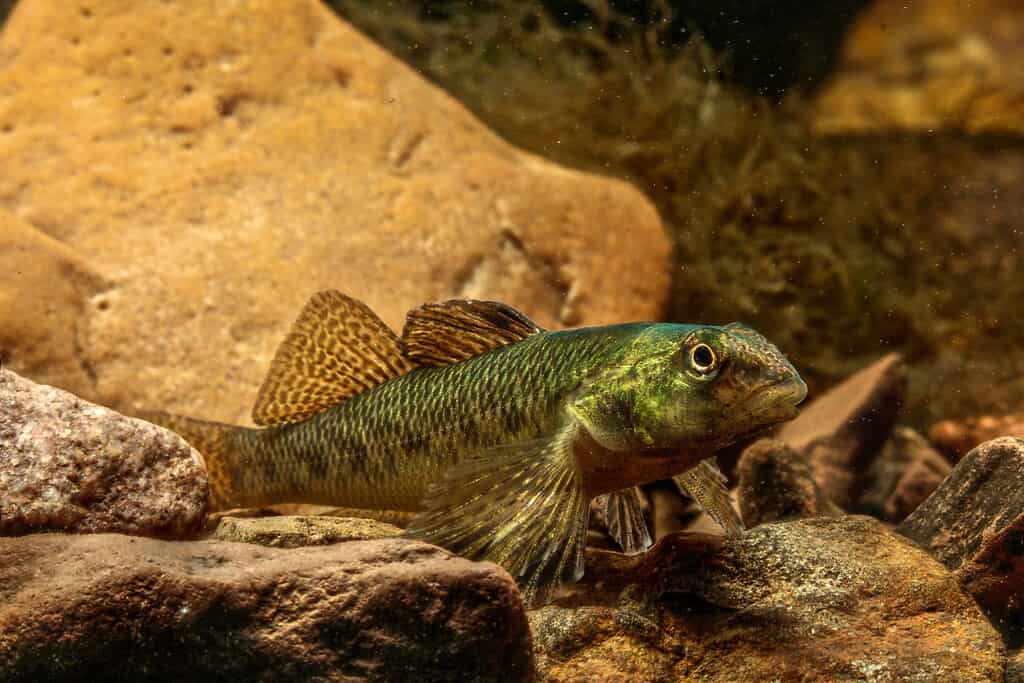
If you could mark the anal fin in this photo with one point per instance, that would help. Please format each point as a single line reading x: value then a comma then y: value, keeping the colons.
x: 624, y: 515
x: 522, y: 506
x: 705, y: 483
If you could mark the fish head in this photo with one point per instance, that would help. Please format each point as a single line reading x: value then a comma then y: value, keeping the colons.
x: 695, y: 387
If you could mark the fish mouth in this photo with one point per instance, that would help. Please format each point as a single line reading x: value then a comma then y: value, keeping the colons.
x: 779, y: 400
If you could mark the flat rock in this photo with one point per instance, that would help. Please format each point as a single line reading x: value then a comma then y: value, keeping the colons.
x: 293, y: 531
x: 906, y: 472
x: 776, y: 483
x: 929, y: 65
x: 218, y: 163
x: 841, y: 431
x: 114, y: 607
x: 974, y: 523
x: 826, y: 599
x: 66, y: 464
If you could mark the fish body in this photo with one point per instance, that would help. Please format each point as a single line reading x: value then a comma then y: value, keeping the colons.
x: 497, y: 432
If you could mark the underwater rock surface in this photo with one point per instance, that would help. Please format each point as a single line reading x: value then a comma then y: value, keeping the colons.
x: 829, y: 599
x: 66, y: 464
x: 929, y: 65
x: 294, y: 531
x: 775, y: 483
x: 955, y: 438
x: 974, y: 524
x: 217, y: 163
x: 118, y: 607
x: 903, y: 475
x: 842, y: 430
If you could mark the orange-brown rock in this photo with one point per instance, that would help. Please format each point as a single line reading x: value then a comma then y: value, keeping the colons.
x: 217, y: 163
x: 111, y: 607
x: 956, y: 437
x: 776, y: 483
x: 929, y: 65
x: 826, y: 599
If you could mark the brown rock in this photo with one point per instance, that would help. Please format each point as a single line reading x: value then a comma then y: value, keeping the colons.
x: 974, y: 523
x: 955, y: 438
x: 121, y: 608
x: 776, y: 483
x: 222, y: 162
x: 827, y: 599
x: 1015, y: 667
x: 928, y: 65
x: 841, y: 431
x: 903, y: 476
x: 68, y: 464
x: 297, y: 532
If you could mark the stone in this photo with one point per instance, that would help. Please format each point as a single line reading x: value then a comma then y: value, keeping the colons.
x: 122, y: 608
x: 1015, y: 667
x: 776, y: 483
x: 824, y: 599
x: 219, y: 163
x: 906, y: 472
x: 66, y: 464
x: 974, y: 524
x: 291, y: 531
x: 955, y: 438
x: 841, y: 431
x: 928, y: 65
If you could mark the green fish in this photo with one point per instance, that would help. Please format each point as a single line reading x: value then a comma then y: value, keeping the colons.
x: 497, y: 432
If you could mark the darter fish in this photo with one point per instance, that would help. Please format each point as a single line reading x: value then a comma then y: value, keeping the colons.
x: 498, y: 433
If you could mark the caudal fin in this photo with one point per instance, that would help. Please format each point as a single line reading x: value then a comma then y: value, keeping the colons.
x: 215, y: 442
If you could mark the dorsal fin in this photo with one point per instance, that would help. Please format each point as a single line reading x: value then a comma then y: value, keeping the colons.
x: 336, y: 348
x: 454, y: 330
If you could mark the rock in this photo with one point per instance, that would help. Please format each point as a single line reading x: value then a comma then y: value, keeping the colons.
x: 841, y: 431
x: 221, y: 162
x: 928, y: 65
x: 297, y: 532
x: 974, y: 523
x: 125, y: 608
x: 1015, y: 667
x: 902, y: 477
x: 829, y: 599
x: 66, y: 464
x: 956, y: 437
x: 776, y: 483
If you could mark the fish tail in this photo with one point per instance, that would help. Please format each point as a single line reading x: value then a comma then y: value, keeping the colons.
x: 217, y: 443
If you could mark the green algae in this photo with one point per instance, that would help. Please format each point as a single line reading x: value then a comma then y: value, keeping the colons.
x: 839, y: 249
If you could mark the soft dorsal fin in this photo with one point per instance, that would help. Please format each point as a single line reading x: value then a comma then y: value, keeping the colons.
x: 336, y: 348
x: 452, y: 331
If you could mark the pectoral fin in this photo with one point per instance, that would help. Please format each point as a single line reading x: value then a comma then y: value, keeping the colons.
x: 623, y: 513
x: 705, y: 483
x: 522, y: 506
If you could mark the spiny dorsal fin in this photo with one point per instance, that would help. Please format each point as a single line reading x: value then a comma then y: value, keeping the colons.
x: 336, y: 348
x: 452, y: 331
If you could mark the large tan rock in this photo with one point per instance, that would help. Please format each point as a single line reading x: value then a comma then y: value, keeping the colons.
x: 220, y: 162
x: 930, y: 65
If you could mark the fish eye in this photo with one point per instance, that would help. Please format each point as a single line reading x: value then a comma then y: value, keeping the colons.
x: 703, y: 358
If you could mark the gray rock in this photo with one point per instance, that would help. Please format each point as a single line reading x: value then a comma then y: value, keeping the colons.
x: 66, y: 464
x: 842, y: 431
x: 293, y: 531
x: 115, y: 607
x: 825, y: 599
x: 776, y: 483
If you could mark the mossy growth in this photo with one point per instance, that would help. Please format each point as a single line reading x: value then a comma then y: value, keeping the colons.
x: 838, y: 249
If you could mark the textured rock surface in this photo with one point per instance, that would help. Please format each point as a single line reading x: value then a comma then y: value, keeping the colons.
x: 829, y: 599
x: 841, y: 431
x: 776, y: 483
x: 1015, y: 667
x: 295, y: 532
x: 68, y: 464
x: 927, y: 65
x: 955, y: 438
x: 82, y: 607
x: 906, y: 472
x: 220, y: 162
x: 974, y: 523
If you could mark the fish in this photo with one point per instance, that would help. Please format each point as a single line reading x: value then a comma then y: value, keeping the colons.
x: 497, y: 433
